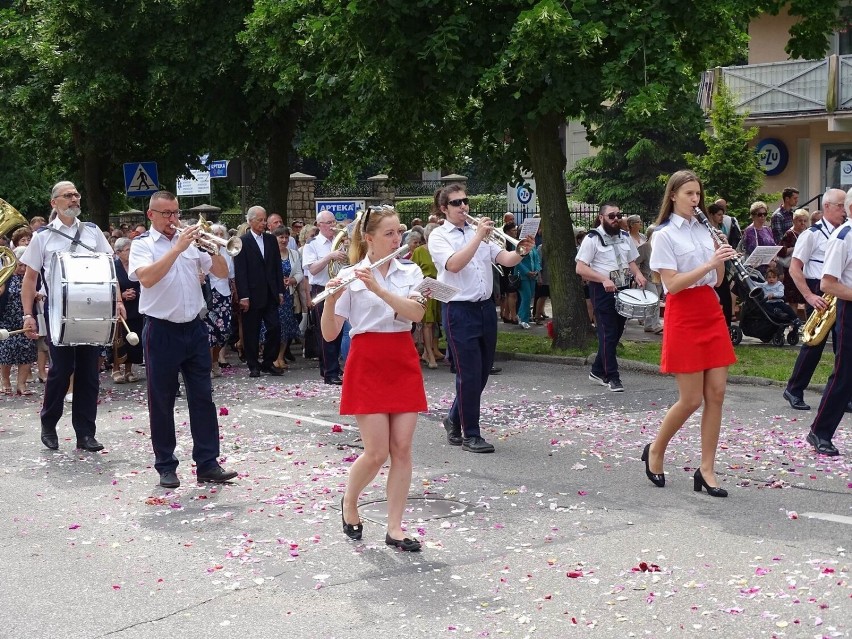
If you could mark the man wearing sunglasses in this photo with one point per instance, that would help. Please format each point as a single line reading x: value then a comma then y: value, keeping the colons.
x: 464, y: 257
x: 65, y: 232
x: 606, y: 259
x: 806, y: 270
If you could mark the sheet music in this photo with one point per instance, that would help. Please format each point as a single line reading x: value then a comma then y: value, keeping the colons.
x: 529, y: 227
x: 436, y: 290
x: 762, y: 255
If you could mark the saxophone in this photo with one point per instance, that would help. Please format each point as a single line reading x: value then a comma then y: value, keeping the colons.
x: 819, y: 323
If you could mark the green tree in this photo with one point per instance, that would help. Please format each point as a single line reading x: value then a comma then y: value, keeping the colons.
x: 729, y: 167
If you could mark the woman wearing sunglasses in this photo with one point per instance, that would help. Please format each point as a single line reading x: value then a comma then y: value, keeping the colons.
x: 697, y: 349
x: 757, y: 233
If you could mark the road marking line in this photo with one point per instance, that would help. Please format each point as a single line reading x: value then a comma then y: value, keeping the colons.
x: 838, y: 519
x: 302, y: 418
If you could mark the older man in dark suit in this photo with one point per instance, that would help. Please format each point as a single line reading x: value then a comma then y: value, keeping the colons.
x: 260, y: 287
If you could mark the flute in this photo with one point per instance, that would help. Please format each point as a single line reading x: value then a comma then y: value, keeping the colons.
x: 738, y: 270
x: 346, y: 282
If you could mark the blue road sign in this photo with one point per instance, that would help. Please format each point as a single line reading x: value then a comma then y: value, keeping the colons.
x: 218, y: 168
x: 342, y: 210
x: 140, y: 179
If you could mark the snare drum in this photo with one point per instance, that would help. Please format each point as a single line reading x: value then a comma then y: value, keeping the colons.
x: 634, y: 303
x: 82, y: 293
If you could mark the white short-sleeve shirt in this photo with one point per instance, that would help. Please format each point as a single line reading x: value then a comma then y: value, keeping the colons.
x: 838, y: 255
x: 475, y: 281
x: 366, y: 311
x: 221, y: 284
x: 615, y: 255
x: 683, y: 245
x: 314, y: 251
x: 810, y: 248
x: 45, y: 243
x: 177, y: 297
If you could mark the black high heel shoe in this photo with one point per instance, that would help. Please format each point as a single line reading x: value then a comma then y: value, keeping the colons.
x: 353, y: 531
x: 659, y: 480
x: 713, y: 491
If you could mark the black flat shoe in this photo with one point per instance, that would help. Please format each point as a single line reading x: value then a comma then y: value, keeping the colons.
x: 454, y: 434
x: 353, y: 531
x: 407, y: 544
x: 49, y: 438
x: 216, y: 475
x: 821, y: 446
x: 90, y: 444
x: 169, y: 479
x: 713, y: 491
x: 659, y: 480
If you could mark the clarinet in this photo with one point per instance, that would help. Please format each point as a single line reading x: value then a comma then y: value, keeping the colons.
x: 738, y: 271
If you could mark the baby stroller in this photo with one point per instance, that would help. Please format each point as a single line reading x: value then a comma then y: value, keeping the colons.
x: 759, y: 319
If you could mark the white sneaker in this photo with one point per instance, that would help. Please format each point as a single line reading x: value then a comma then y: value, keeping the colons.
x: 524, y: 325
x: 69, y: 398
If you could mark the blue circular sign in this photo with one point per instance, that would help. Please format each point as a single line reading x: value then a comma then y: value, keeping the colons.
x: 524, y: 194
x: 773, y: 155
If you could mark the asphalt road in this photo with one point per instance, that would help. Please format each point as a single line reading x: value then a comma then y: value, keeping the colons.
x: 557, y: 534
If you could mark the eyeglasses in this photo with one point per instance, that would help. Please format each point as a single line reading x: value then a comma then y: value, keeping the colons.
x: 459, y: 201
x: 832, y: 204
x: 760, y: 214
x: 71, y: 196
x: 614, y: 216
x: 167, y: 214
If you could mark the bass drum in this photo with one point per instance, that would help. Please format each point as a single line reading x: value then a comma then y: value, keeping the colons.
x: 82, y: 293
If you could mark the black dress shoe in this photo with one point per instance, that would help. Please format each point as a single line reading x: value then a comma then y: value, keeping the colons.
x: 334, y: 381
x: 273, y: 370
x: 658, y: 479
x: 476, y: 445
x: 454, y: 435
x: 713, y: 491
x: 822, y: 446
x: 169, y: 479
x: 216, y: 474
x: 407, y: 544
x: 90, y: 443
x: 353, y: 531
x: 796, y: 403
x: 495, y: 370
x: 849, y: 407
x: 49, y: 438
x: 254, y: 373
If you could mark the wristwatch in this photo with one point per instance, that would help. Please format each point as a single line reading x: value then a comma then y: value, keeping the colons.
x: 28, y: 317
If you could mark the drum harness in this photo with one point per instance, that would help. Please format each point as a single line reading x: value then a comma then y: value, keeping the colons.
x: 621, y: 277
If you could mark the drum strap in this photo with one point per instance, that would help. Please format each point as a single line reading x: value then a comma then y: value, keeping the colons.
x: 75, y: 241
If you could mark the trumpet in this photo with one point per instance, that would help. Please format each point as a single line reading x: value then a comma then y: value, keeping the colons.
x: 498, y: 237
x: 210, y: 243
x: 402, y: 250
x: 737, y: 269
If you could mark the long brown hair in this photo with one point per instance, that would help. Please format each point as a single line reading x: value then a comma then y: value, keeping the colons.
x: 677, y: 180
x: 368, y: 223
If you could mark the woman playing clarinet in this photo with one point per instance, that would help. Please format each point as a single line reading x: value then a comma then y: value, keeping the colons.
x: 697, y: 348
x: 383, y: 384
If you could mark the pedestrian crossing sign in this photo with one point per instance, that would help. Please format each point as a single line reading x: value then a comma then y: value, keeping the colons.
x: 140, y: 179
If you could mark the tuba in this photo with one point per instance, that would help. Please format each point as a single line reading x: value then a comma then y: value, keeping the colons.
x: 343, y: 233
x: 10, y: 218
x: 818, y: 325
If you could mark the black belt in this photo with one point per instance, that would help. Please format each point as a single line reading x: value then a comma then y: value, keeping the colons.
x: 475, y: 302
x: 170, y: 323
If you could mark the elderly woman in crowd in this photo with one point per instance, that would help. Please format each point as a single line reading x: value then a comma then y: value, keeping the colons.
x: 801, y: 221
x: 634, y: 228
x: 757, y: 233
x: 124, y: 352
x: 219, y: 308
x: 292, y: 274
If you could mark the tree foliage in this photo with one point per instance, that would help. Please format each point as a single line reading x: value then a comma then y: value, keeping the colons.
x: 729, y: 167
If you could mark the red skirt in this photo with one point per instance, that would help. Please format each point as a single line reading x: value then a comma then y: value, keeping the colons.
x: 696, y: 336
x: 382, y: 376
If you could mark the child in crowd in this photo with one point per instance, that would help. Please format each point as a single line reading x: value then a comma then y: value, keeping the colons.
x: 778, y: 309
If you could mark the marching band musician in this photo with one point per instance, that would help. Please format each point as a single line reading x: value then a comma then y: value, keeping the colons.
x: 806, y: 271
x: 836, y: 280
x: 65, y: 232
x: 175, y: 338
x: 606, y: 259
x: 464, y: 260
x: 383, y: 385
x: 697, y: 348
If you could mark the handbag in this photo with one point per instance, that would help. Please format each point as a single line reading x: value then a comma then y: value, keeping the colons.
x: 310, y: 346
x: 513, y: 282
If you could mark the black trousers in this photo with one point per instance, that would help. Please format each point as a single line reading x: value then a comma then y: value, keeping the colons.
x: 610, y: 327
x: 251, y: 334
x: 82, y: 361
x: 329, y: 359
x: 170, y: 349
x: 809, y: 356
x: 838, y: 388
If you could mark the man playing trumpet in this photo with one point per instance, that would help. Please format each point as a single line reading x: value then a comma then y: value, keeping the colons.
x: 175, y: 338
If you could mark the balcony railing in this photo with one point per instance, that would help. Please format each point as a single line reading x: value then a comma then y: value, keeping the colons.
x: 783, y: 88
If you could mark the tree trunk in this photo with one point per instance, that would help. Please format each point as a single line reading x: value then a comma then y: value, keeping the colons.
x: 282, y: 134
x: 93, y: 168
x: 570, y: 319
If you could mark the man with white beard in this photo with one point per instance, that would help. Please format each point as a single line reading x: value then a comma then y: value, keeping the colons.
x: 65, y: 232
